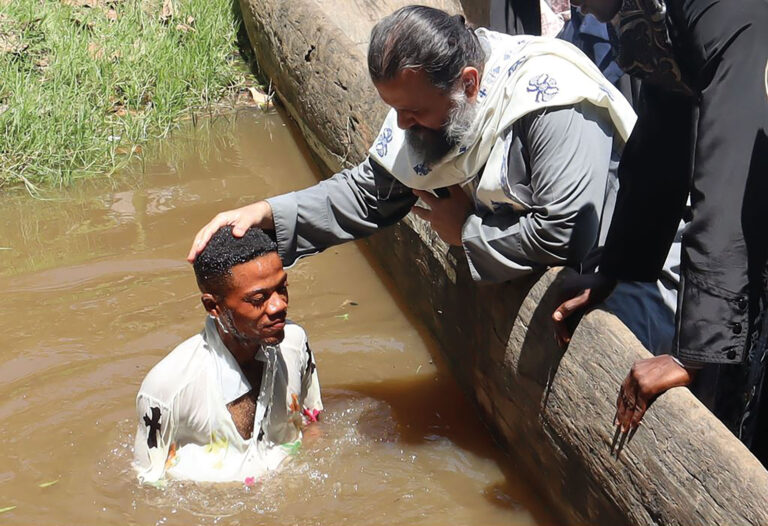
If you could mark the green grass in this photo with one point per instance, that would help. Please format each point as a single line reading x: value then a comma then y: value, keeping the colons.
x: 85, y: 83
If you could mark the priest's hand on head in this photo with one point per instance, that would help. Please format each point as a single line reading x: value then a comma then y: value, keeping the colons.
x: 446, y: 215
x: 257, y: 214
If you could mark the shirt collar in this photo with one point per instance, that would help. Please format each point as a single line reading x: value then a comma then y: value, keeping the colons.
x: 232, y: 382
x: 589, y: 25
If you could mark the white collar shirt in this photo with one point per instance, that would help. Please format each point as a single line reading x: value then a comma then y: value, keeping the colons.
x: 185, y: 430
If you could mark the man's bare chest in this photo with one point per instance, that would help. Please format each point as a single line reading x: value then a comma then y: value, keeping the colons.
x: 243, y: 409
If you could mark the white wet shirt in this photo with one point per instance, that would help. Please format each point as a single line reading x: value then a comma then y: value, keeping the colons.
x: 185, y: 430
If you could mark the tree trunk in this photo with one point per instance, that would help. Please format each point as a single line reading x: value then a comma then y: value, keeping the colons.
x: 552, y: 410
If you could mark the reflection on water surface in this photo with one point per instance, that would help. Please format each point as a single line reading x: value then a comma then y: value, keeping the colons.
x: 97, y: 291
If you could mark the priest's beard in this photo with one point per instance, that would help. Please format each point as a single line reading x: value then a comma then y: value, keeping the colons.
x: 433, y: 145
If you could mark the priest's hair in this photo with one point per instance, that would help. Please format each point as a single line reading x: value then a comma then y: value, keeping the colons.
x: 423, y: 38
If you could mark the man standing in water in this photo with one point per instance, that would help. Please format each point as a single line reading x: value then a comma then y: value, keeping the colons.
x: 517, y: 135
x: 702, y: 133
x: 230, y: 403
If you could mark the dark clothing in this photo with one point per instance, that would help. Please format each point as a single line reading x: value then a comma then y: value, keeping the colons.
x: 711, y: 146
x: 653, y: 177
x: 515, y: 17
x: 735, y: 393
x: 599, y: 42
x: 645, y: 48
x: 596, y: 39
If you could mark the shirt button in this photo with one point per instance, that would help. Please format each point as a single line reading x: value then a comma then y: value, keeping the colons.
x: 736, y: 328
x: 731, y: 354
x: 742, y: 304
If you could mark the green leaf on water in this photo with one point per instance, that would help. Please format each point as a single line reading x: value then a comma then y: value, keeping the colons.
x: 344, y: 316
x: 7, y: 508
x: 47, y: 484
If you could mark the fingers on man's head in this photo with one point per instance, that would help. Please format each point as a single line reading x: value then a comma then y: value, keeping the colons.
x: 197, y: 246
x: 206, y: 233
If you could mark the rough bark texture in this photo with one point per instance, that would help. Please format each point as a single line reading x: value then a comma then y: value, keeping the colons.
x: 552, y: 410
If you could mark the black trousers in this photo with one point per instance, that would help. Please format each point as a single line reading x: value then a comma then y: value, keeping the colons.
x: 712, y: 147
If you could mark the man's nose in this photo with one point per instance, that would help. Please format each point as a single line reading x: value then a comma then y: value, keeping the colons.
x: 277, y: 303
x: 405, y: 120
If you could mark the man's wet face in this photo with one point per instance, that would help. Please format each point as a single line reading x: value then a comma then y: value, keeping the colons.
x: 253, y: 310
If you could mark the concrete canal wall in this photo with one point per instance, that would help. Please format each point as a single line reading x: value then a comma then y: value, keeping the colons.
x: 551, y: 410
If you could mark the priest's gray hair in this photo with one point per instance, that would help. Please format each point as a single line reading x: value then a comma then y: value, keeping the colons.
x: 419, y: 37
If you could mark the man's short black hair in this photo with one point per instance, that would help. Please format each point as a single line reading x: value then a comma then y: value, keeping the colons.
x: 213, y: 265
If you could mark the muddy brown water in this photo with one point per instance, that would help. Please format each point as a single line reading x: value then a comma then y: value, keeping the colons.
x: 96, y: 291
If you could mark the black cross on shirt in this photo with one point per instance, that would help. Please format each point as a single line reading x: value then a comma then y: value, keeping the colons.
x: 154, y: 426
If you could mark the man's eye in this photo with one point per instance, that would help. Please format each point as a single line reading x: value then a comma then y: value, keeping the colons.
x: 256, y: 301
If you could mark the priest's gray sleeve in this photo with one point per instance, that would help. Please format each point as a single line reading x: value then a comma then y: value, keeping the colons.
x: 570, y: 152
x: 352, y: 204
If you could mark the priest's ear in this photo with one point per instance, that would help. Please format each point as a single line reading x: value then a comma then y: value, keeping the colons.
x: 470, y: 81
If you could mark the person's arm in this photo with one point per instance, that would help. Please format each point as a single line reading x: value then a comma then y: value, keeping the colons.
x: 647, y: 380
x: 350, y: 205
x: 154, y: 444
x: 654, y: 174
x: 570, y: 154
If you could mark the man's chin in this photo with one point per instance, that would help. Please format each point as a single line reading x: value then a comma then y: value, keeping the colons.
x: 275, y: 338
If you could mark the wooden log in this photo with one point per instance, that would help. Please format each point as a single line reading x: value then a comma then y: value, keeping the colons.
x: 552, y: 410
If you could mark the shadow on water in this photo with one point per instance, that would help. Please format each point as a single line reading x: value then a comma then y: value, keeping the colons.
x: 429, y: 408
